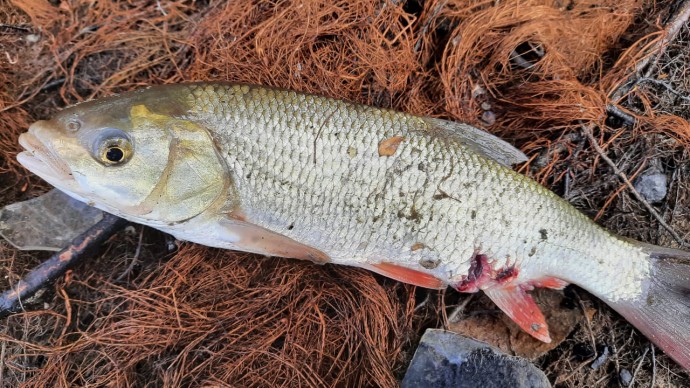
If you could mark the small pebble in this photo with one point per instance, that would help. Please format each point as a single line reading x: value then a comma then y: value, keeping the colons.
x: 626, y: 377
x: 652, y: 186
x: 32, y: 38
x: 477, y: 91
x: 601, y: 359
x: 489, y: 117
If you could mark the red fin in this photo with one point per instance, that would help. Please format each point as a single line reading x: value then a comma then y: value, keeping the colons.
x: 520, y: 307
x: 406, y: 275
x: 555, y: 283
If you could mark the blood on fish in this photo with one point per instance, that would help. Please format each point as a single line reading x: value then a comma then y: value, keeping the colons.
x: 477, y: 275
x: 505, y: 275
x: 482, y: 273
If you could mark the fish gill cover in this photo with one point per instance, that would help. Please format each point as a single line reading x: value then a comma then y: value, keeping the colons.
x: 533, y: 72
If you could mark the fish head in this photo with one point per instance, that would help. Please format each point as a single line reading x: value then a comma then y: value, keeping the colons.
x: 137, y: 156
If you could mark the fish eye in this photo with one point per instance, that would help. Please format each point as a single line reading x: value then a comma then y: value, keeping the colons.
x: 114, y: 154
x: 114, y: 148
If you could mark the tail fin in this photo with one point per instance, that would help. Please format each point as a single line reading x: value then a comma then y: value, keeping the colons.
x: 663, y: 313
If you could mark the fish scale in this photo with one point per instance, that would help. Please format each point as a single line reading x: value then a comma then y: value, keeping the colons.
x: 421, y: 200
x: 339, y: 194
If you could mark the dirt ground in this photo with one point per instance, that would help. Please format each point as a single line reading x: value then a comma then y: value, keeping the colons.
x: 148, y: 312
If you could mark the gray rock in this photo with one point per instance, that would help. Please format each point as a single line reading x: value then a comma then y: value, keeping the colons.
x: 626, y: 377
x: 652, y: 186
x: 489, y: 117
x: 48, y: 222
x: 601, y: 359
x: 446, y: 359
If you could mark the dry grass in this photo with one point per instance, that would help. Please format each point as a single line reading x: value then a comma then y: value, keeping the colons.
x: 209, y: 317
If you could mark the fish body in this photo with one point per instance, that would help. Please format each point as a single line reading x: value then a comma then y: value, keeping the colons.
x: 422, y: 200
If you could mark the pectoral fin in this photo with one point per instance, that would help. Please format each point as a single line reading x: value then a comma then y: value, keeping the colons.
x: 249, y: 237
x: 406, y: 275
x: 520, y: 307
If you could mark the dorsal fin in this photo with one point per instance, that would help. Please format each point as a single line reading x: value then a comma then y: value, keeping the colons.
x: 481, y: 142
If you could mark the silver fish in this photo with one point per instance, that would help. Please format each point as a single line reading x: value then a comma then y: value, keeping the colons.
x: 425, y: 201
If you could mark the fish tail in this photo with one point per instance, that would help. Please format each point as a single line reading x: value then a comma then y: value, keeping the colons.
x: 662, y: 313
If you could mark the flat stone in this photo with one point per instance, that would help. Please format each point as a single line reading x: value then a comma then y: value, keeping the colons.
x: 48, y: 222
x: 445, y: 359
x: 652, y: 186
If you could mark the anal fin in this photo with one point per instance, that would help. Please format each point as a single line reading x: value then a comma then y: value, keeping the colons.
x: 521, y: 308
x: 406, y: 275
x: 550, y: 282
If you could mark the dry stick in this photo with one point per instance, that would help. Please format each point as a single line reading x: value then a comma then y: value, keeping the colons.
x: 2, y: 363
x: 639, y: 364
x: 615, y: 352
x: 80, y: 248
x: 454, y: 316
x: 424, y: 302
x: 135, y: 258
x: 651, y: 346
x: 588, y: 131
x: 591, y: 337
x: 427, y: 24
x: 672, y: 29
x: 666, y: 86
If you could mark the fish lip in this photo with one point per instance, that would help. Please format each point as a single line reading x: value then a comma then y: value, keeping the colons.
x: 40, y: 159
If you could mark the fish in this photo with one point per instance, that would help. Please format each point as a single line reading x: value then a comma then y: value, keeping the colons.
x: 425, y: 201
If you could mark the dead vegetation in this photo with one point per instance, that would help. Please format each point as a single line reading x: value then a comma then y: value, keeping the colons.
x: 533, y: 71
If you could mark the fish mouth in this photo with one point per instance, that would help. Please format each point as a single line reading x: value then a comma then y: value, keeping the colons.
x: 41, y: 160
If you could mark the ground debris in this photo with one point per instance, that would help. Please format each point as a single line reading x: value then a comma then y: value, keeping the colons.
x: 445, y: 359
x: 652, y: 186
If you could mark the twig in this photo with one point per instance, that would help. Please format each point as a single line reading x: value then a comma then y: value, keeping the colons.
x: 588, y: 131
x: 666, y: 85
x: 627, y: 118
x: 651, y: 346
x: 14, y: 27
x: 424, y: 302
x: 135, y: 258
x: 589, y: 326
x: 80, y: 248
x: 672, y: 29
x: 453, y: 317
x: 2, y: 363
x: 639, y: 365
x: 594, y: 346
x: 427, y: 24
x: 615, y: 352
